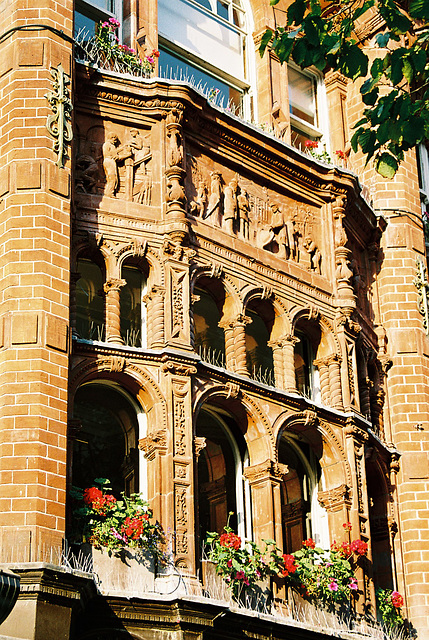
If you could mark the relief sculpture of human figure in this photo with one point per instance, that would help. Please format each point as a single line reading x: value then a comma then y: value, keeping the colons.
x: 315, y: 255
x: 110, y: 158
x: 279, y: 228
x: 243, y: 213
x: 230, y: 206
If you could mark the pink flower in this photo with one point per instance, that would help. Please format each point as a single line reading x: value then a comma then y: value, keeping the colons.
x: 150, y: 59
x: 333, y: 586
x: 239, y: 575
x: 229, y: 564
x: 353, y: 584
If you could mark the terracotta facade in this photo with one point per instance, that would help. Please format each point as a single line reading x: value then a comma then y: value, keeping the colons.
x: 247, y: 314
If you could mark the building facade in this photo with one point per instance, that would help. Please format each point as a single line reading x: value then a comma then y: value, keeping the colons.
x: 194, y: 307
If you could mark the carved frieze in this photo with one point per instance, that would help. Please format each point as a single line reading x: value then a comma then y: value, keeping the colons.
x: 249, y: 211
x: 115, y: 161
x: 266, y: 470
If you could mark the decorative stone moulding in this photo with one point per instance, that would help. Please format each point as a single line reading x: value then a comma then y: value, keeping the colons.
x: 59, y: 122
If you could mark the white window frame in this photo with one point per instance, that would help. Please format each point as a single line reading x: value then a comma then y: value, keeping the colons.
x: 94, y: 12
x: 423, y: 158
x: 245, y: 84
x: 321, y: 131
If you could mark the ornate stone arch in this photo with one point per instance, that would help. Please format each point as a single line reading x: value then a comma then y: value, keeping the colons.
x: 137, y: 248
x: 134, y: 379
x: 216, y: 271
x: 333, y: 450
x: 311, y: 313
x: 262, y: 426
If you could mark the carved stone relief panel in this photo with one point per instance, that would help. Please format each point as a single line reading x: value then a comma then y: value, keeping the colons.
x: 246, y: 210
x: 115, y: 160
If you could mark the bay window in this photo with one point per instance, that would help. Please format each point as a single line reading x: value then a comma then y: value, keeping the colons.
x: 204, y: 43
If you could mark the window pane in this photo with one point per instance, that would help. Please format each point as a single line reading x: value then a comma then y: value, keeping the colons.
x: 302, y: 96
x: 299, y: 138
x: 89, y: 303
x: 205, y: 3
x: 222, y: 9
x: 131, y: 307
x: 173, y: 67
x: 83, y: 23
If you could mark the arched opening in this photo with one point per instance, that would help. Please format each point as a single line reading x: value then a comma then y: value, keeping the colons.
x: 307, y: 348
x: 259, y: 354
x: 209, y: 337
x: 302, y: 515
x: 107, y: 440
x: 222, y: 494
x: 378, y: 499
x: 90, y: 323
x: 133, y: 308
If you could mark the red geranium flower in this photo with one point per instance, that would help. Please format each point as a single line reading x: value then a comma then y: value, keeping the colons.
x: 397, y: 599
x: 309, y: 543
x: 230, y: 540
x: 359, y: 547
x: 290, y: 566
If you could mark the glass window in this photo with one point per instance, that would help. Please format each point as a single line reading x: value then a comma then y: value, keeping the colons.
x: 205, y: 46
x: 89, y: 302
x: 106, y: 444
x: 209, y: 337
x: 175, y: 67
x: 132, y: 317
x: 89, y: 12
x: 302, y: 96
x: 307, y: 108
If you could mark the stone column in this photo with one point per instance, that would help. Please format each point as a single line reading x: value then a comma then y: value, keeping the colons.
x: 229, y: 345
x: 334, y: 364
x: 154, y: 301
x: 289, y: 343
x: 322, y: 366
x: 265, y: 480
x: 239, y: 337
x: 277, y: 349
x: 112, y: 290
x: 355, y: 438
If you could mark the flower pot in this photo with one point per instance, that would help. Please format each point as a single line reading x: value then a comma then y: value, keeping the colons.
x: 131, y: 571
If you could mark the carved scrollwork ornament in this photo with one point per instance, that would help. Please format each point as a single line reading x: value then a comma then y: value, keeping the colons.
x: 422, y: 285
x: 233, y: 390
x: 58, y: 123
x: 178, y: 368
x: 199, y: 445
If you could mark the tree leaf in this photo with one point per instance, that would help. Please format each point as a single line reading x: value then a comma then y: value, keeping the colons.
x: 386, y: 165
x: 419, y: 9
x: 266, y: 37
x: 407, y: 70
x: 296, y: 11
x: 382, y: 39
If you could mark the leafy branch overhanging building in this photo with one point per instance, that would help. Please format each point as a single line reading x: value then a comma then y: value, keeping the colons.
x: 195, y: 308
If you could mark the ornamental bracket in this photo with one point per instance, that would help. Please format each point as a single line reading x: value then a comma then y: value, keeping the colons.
x: 59, y: 122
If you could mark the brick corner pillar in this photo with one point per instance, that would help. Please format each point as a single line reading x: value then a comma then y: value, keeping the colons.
x: 35, y: 150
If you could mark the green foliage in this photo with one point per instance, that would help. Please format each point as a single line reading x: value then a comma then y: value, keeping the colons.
x: 389, y: 604
x: 396, y: 91
x: 105, y: 522
x: 240, y: 565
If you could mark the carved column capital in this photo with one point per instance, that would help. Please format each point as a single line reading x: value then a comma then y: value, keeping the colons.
x: 154, y: 443
x: 199, y: 445
x: 114, y: 284
x: 335, y: 499
x: 268, y: 470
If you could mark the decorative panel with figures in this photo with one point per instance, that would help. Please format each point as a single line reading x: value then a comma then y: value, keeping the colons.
x: 249, y: 211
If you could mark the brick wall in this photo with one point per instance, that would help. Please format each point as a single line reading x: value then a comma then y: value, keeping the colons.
x: 34, y: 289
